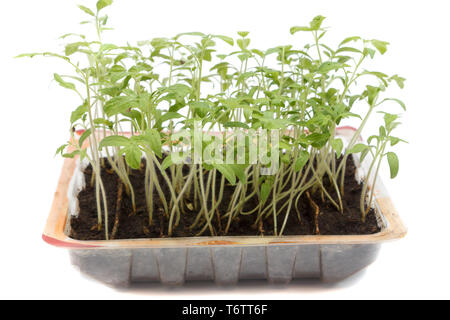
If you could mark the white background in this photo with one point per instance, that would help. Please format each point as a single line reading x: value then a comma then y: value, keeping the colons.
x: 35, y: 112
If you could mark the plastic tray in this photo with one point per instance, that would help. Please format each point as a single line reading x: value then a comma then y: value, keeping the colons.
x: 225, y: 260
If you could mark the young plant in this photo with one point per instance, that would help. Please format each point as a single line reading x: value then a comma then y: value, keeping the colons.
x: 277, y: 110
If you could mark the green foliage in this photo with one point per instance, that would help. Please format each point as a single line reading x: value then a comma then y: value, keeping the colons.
x: 393, y: 164
x: 133, y: 156
x: 153, y: 139
x: 227, y: 172
x: 63, y: 83
x: 87, y: 10
x: 266, y: 187
x: 167, y: 162
x: 337, y: 146
x: 381, y: 46
x: 78, y: 113
x: 103, y: 3
x: 166, y: 85
x: 301, y: 161
x: 357, y: 148
x: 114, y: 141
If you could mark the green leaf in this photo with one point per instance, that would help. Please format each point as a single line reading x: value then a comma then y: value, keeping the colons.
x: 294, y: 30
x: 348, y: 49
x: 377, y: 74
x: 258, y: 52
x: 399, y: 80
x: 239, y: 171
x: 316, y: 23
x: 370, y: 139
x: 381, y: 46
x: 197, y: 34
x: 301, y: 161
x: 108, y: 47
x: 62, y: 83
x: 349, y: 39
x: 389, y: 118
x: 71, y: 48
x: 226, y: 171
x: 372, y: 94
x: 45, y: 54
x: 135, y: 115
x: 133, y: 156
x: 394, y: 140
x: 71, y: 155
x: 27, y: 55
x: 369, y: 52
x: 84, y: 136
x: 393, y: 164
x: 220, y: 66
x: 103, y: 3
x: 154, y: 139
x: 243, y: 34
x: 328, y: 66
x: 104, y: 20
x: 337, y: 146
x: 243, y: 43
x: 235, y: 124
x: 118, y: 105
x: 104, y: 122
x: 180, y: 90
x: 61, y: 149
x: 285, y: 146
x: 400, y: 102
x: 382, y: 132
x: 318, y: 140
x: 114, y: 141
x: 78, y: 113
x: 86, y: 10
x: 167, y: 162
x: 265, y: 189
x: 357, y: 148
x: 228, y: 40
x: 364, y: 154
x: 200, y: 108
x: 168, y: 116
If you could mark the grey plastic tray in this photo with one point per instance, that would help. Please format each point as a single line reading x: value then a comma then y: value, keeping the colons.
x: 226, y: 266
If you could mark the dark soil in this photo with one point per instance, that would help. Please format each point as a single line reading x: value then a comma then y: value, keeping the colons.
x: 136, y: 225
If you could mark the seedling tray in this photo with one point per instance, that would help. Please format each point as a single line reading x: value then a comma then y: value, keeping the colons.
x: 226, y: 260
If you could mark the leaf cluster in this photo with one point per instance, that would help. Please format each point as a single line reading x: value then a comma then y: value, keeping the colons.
x: 167, y: 85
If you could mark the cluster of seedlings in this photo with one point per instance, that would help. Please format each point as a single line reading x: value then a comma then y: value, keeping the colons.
x: 162, y: 87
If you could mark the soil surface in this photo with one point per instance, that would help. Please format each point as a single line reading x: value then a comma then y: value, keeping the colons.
x: 136, y: 225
